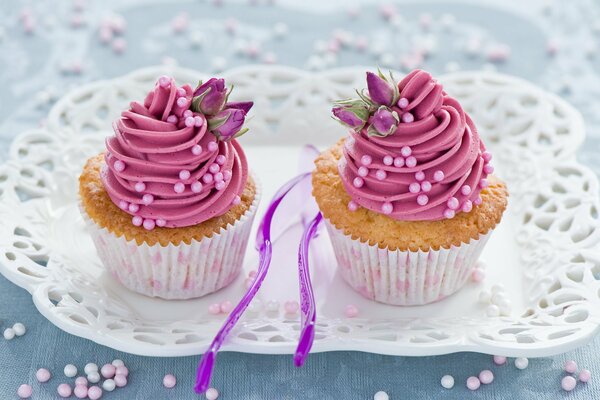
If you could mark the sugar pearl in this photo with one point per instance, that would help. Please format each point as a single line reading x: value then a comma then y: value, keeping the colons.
x: 571, y: 366
x: 227, y: 175
x: 477, y: 275
x: 406, y: 151
x: 212, y: 146
x: 120, y: 380
x: 93, y: 377
x: 196, y: 187
x: 140, y: 187
x: 473, y: 383
x: 477, y: 201
x: 43, y: 375
x: 388, y: 160
x: 407, y: 118
x: 568, y: 383
x: 486, y: 377
x: 70, y: 370
x: 483, y: 183
x: 422, y: 199
x: 81, y: 380
x: 351, y: 311
x: 398, y: 162
x: 499, y: 360
x: 485, y: 297
x: 24, y: 391
x: 414, y: 187
x: 214, y: 308
x: 226, y: 307
x: 109, y: 385
x: 179, y: 187
x: 207, y: 178
x: 108, y: 371
x: 122, y: 370
x: 492, y: 310
x: 169, y: 381
x: 255, y: 306
x: 236, y: 200
x: 352, y: 206
x: 119, y: 166
x: 447, y: 381
x: 212, y: 394
x: 487, y: 156
x: 387, y: 208
x: 452, y: 203
x: 198, y: 121
x: 188, y: 113
x: 182, y: 102
x: 149, y: 224
x: 220, y: 185
x: 466, y: 190
x: 366, y: 160
x: 164, y: 81
x: 64, y: 390
x: 189, y: 121
x: 123, y: 205
x: 214, y: 168
x: 358, y: 182
x: 585, y: 375
x: 272, y: 306
x: 196, y: 149
x: 363, y: 171
x: 90, y: 367
x: 411, y: 162
x: 291, y: 307
x: 381, y: 395
x: 172, y: 119
x: 137, y: 220
x: 438, y: 176
x: 147, y: 199
x: 133, y: 208
x: 521, y: 362
x: 94, y: 393
x: 380, y: 174
x: 467, y: 206
x: 426, y: 186
x: 403, y: 102
x: 184, y: 174
x: 420, y: 175
x: 81, y: 392
x: 19, y: 329
x: 488, y: 169
x: 448, y: 213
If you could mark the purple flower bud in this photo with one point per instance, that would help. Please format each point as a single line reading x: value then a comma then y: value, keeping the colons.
x: 379, y: 89
x: 210, y: 97
x: 383, y: 123
x: 245, y: 106
x: 348, y: 117
x: 227, y: 124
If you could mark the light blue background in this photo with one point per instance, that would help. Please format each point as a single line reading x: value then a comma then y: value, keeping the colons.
x: 28, y: 63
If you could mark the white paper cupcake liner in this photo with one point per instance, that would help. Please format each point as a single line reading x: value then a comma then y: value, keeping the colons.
x: 404, y: 278
x: 182, y: 271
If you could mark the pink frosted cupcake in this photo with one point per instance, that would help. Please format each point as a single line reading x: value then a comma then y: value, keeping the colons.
x: 170, y: 203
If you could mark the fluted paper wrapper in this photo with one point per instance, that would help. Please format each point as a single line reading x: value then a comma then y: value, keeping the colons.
x: 182, y: 271
x: 404, y: 278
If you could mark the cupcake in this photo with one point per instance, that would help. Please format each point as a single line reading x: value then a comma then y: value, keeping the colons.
x: 170, y: 203
x: 408, y: 196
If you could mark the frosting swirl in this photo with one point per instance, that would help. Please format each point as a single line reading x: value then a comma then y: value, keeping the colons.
x: 430, y: 167
x: 165, y: 167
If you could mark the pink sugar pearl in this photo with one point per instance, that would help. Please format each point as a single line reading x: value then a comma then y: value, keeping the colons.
x: 488, y: 169
x: 196, y: 187
x: 452, y: 203
x: 137, y: 220
x: 188, y: 113
x: 184, y: 174
x: 64, y: 390
x: 407, y: 118
x: 478, y: 275
x: 147, y: 199
x: 119, y: 166
x: 467, y: 206
x: 411, y: 162
x: 220, y: 185
x: 247, y: 284
x: 291, y: 307
x: 81, y: 392
x: 108, y: 370
x: 24, y: 391
x: 366, y: 160
x: 236, y: 200
x: 487, y: 156
x: 220, y: 159
x: 387, y: 208
x: 218, y: 176
x: 484, y: 183
x: 358, y: 182
x: 226, y: 307
x: 448, y: 213
x: 189, y: 121
x: 568, y: 383
x: 227, y: 175
x: 388, y: 160
x: 172, y: 119
x: 169, y: 381
x: 198, y: 121
x: 438, y: 175
x: 351, y: 311
x: 466, y: 190
x: 212, y: 394
x: 94, y: 393
x: 214, y: 168
x: 179, y: 187
x: 133, y: 208
x: 380, y: 175
x: 426, y: 186
x: 212, y: 146
x: 43, y: 375
x: 214, y: 308
x: 161, y: 222
x: 414, y: 187
x: 422, y: 199
x: 403, y: 102
x: 352, y: 206
x: 398, y: 162
x: 123, y: 205
x: 406, y: 151
x: 140, y: 187
x: 477, y: 201
x: 420, y: 175
x: 81, y: 380
x: 122, y: 370
x: 252, y: 274
x: 196, y: 149
x: 473, y: 383
x: 570, y: 366
x: 182, y: 102
x: 363, y: 171
x: 120, y: 380
x: 486, y: 377
x: 499, y: 360
x: 164, y: 81
x: 585, y: 375
x: 207, y: 178
x: 149, y: 224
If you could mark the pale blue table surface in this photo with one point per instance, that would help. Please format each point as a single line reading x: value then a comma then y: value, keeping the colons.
x: 33, y: 62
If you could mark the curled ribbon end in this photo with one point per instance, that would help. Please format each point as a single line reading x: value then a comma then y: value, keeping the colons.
x: 205, y: 372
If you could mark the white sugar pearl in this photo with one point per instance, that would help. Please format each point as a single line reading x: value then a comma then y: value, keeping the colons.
x: 381, y: 395
x: 70, y: 370
x: 89, y: 368
x: 109, y: 385
x: 94, y: 377
x: 505, y: 311
x: 9, y: 334
x: 212, y: 394
x: 497, y: 288
x: 19, y: 329
x: 492, y: 311
x: 272, y: 305
x: 521, y: 362
x: 118, y: 363
x: 447, y: 381
x: 255, y: 306
x: 485, y: 296
x: 500, y: 300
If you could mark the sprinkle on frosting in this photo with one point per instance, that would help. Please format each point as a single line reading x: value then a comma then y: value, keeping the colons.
x: 166, y: 153
x: 426, y: 160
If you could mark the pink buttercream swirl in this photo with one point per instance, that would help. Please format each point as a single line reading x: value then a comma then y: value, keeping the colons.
x: 430, y: 167
x: 166, y: 169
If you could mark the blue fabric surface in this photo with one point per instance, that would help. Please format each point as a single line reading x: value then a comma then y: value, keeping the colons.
x: 28, y: 63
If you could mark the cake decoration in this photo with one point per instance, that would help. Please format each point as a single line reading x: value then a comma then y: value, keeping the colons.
x: 173, y: 161
x: 413, y: 154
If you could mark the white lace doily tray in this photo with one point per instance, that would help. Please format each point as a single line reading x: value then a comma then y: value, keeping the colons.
x: 545, y: 251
